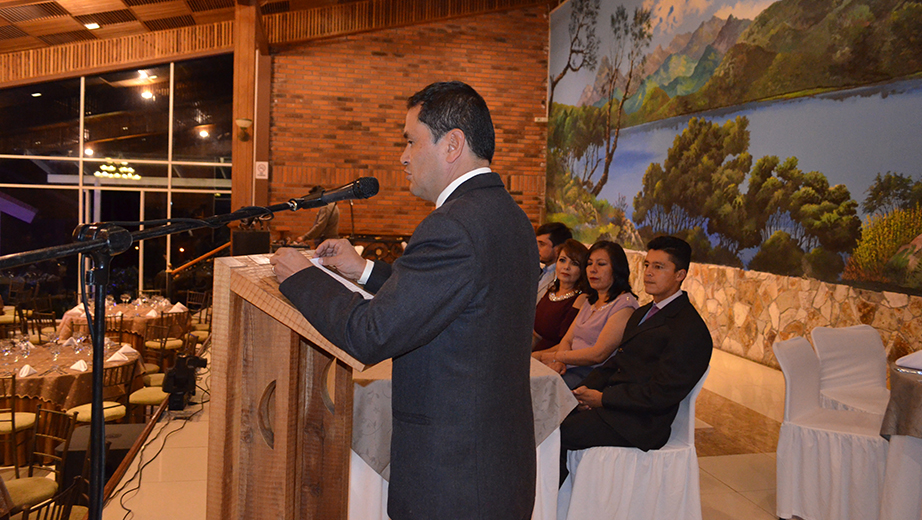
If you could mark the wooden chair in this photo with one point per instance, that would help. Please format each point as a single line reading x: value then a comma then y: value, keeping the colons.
x: 19, y: 294
x: 115, y: 328
x: 42, y: 327
x: 61, y: 506
x: 164, y: 338
x: 199, y: 304
x: 12, y: 422
x: 52, y: 429
x: 116, y: 384
x: 13, y: 322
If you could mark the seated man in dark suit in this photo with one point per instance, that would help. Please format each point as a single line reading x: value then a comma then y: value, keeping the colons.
x: 633, y: 398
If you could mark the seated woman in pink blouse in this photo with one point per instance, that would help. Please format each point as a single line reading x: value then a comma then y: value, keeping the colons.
x: 563, y: 299
x: 597, y: 330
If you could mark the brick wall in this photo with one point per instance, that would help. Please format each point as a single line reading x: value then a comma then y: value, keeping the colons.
x: 338, y: 109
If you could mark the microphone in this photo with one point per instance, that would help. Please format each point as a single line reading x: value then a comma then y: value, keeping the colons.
x: 361, y: 188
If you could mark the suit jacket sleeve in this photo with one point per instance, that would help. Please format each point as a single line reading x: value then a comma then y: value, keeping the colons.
x: 426, y: 289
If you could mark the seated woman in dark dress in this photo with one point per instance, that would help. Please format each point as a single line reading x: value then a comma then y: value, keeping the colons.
x: 563, y: 299
x: 597, y: 330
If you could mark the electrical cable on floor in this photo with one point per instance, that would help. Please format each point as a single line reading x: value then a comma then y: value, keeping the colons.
x: 142, y: 465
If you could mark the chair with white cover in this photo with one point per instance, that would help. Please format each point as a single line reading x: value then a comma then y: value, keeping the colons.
x: 609, y: 483
x: 830, y: 463
x: 853, y: 368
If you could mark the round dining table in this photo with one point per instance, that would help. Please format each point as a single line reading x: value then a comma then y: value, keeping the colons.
x: 55, y: 380
x: 135, y: 320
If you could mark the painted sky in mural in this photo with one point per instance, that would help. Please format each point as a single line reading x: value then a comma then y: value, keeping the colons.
x: 850, y: 114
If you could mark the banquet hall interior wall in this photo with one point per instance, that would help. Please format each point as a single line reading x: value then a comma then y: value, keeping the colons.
x: 338, y: 108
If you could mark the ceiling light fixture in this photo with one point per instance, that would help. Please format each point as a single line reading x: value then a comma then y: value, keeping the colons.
x: 92, y: 26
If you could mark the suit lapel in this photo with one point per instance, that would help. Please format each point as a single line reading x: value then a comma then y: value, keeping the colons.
x: 657, y: 320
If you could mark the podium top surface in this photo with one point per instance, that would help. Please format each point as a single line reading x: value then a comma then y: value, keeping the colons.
x: 253, y: 280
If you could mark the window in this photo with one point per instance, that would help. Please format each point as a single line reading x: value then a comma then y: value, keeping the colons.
x: 123, y: 146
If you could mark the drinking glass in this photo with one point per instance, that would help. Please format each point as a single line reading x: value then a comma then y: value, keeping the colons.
x: 79, y: 343
x: 55, y: 349
x: 125, y: 297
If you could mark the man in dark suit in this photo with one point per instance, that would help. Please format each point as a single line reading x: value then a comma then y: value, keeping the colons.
x: 632, y: 399
x: 455, y: 312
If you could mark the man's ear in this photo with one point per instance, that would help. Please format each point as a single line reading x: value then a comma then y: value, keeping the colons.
x: 680, y: 275
x: 456, y: 142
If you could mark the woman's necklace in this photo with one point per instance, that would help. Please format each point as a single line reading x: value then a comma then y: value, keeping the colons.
x: 594, y: 308
x: 554, y: 298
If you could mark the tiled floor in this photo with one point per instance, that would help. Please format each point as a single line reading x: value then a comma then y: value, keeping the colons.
x: 739, y: 413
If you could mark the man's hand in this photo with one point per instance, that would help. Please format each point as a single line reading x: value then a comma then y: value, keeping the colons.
x: 338, y: 253
x: 286, y: 262
x: 588, y: 398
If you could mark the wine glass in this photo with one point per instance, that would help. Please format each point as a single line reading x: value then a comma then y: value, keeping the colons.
x: 125, y: 297
x: 79, y: 343
x: 6, y: 348
x: 55, y: 349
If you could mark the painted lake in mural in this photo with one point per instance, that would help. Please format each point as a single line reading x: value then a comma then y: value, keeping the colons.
x: 887, y: 115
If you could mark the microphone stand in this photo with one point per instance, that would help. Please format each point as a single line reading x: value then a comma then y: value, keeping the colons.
x: 101, y: 241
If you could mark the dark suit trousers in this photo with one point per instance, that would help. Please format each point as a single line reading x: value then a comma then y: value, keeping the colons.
x: 582, y: 430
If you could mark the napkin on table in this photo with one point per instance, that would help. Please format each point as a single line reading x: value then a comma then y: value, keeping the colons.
x: 118, y: 356
x: 913, y: 360
x: 152, y: 314
x: 27, y: 371
x: 80, y: 366
x: 127, y: 350
x: 178, y: 308
x: 70, y: 342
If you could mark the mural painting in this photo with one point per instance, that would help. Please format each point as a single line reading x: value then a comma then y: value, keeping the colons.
x: 780, y: 136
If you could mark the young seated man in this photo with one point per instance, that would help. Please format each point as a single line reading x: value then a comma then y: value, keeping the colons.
x: 550, y: 237
x: 633, y: 398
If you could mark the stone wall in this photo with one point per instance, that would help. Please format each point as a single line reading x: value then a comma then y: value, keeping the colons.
x: 748, y: 311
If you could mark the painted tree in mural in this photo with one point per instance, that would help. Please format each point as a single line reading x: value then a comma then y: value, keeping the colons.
x: 786, y: 212
x: 890, y: 248
x: 697, y: 189
x: 625, y: 61
x: 584, y: 44
x: 891, y: 192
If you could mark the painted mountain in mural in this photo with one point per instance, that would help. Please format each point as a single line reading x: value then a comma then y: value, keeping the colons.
x: 792, y: 48
x: 682, y: 68
x: 798, y: 47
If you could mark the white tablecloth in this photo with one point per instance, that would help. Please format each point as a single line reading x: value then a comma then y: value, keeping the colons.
x: 371, y: 439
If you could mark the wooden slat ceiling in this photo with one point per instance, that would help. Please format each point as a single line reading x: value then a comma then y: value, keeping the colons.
x: 34, y: 24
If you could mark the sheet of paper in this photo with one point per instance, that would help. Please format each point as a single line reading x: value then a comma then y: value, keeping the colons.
x: 346, y: 283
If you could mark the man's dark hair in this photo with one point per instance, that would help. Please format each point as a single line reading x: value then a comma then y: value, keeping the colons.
x: 316, y: 189
x: 620, y: 270
x: 678, y: 250
x: 559, y: 232
x: 449, y: 105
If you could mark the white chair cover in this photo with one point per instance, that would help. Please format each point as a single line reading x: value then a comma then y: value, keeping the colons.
x: 609, y: 483
x: 368, y: 489
x: 830, y: 463
x: 853, y: 368
x: 902, y: 498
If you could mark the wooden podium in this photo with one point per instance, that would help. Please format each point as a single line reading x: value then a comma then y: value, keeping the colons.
x: 281, y: 404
